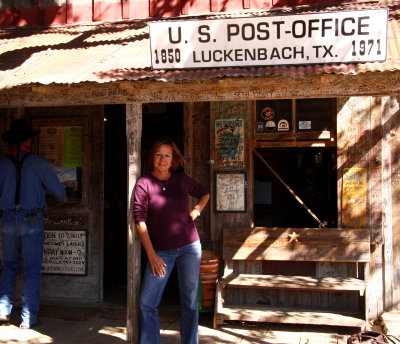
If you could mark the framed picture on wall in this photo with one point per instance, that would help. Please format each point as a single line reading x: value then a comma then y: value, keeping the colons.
x: 230, y: 191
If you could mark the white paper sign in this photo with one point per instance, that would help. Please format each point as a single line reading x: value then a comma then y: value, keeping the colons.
x: 329, y: 37
x: 64, y: 252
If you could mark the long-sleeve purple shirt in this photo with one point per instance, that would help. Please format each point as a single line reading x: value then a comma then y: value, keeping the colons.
x: 164, y: 207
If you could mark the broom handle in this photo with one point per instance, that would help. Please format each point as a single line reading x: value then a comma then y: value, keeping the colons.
x: 289, y: 189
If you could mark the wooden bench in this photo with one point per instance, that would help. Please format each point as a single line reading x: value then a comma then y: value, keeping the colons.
x: 294, y: 275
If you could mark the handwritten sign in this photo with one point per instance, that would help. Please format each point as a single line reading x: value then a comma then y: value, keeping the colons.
x: 354, y: 198
x: 229, y: 143
x: 230, y: 191
x: 66, y: 221
x: 64, y: 252
x: 51, y: 145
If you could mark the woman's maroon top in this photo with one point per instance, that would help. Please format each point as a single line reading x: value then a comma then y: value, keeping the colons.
x: 164, y: 207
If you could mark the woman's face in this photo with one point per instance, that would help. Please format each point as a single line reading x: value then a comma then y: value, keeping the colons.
x: 163, y: 159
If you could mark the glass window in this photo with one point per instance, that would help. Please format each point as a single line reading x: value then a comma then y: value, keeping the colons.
x: 62, y: 147
x: 314, y: 114
x: 273, y: 115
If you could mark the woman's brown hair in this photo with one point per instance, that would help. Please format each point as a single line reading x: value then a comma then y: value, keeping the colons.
x: 178, y: 162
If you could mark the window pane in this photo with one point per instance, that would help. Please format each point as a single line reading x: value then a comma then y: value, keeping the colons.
x: 314, y: 114
x: 273, y: 115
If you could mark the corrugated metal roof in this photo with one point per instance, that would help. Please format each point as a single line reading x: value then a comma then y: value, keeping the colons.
x: 121, y: 51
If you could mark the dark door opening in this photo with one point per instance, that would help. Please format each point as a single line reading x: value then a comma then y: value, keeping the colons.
x: 162, y: 120
x: 310, y: 173
x: 115, y: 205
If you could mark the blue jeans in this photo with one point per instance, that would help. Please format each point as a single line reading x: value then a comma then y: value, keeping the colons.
x: 187, y: 260
x: 22, y: 242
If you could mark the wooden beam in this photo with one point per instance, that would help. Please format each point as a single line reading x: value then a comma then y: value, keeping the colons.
x: 126, y: 4
x: 294, y: 282
x: 387, y: 216
x: 214, y: 5
x: 134, y: 136
x: 96, y: 10
x: 291, y: 315
x: 152, y: 8
x: 225, y: 90
x: 184, y: 7
x: 298, y: 244
x: 267, y: 144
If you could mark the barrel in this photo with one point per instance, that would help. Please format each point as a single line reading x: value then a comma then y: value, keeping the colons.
x: 208, y: 279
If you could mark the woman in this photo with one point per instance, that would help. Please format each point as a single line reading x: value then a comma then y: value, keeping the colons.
x: 169, y: 236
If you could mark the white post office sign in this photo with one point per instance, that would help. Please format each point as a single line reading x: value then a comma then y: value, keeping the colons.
x: 329, y: 37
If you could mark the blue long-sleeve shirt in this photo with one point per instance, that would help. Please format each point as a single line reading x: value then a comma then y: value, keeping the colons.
x: 37, y: 178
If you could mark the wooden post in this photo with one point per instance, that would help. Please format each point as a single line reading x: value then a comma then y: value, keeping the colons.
x: 387, y: 218
x: 375, y: 288
x: 96, y: 11
x: 134, y: 135
x: 214, y: 5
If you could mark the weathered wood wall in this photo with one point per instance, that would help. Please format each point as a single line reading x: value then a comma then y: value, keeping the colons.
x: 391, y: 132
x: 368, y: 129
x: 197, y: 156
x: 229, y: 110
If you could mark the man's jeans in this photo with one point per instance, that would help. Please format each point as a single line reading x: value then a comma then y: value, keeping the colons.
x: 187, y: 260
x: 22, y: 246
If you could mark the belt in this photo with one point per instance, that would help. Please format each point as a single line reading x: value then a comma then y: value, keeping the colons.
x: 18, y: 209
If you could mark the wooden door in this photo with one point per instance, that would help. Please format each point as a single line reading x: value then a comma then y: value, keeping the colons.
x: 71, y: 140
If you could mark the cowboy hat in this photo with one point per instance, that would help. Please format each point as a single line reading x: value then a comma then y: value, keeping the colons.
x: 20, y: 131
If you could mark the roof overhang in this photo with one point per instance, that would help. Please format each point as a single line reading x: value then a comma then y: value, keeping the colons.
x: 120, y: 51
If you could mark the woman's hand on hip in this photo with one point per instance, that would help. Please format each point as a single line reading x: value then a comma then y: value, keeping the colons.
x: 194, y: 214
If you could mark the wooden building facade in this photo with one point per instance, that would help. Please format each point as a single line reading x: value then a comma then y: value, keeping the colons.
x: 301, y: 163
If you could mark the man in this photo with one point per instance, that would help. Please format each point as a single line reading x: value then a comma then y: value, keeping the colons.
x: 24, y: 180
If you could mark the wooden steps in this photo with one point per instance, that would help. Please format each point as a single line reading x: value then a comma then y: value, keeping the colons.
x: 291, y: 315
x: 294, y: 282
x: 331, y: 290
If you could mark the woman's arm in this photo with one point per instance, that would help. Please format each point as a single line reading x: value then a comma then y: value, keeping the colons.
x: 156, y: 262
x: 197, y: 209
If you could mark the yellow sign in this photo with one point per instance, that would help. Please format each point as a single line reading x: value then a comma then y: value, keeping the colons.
x: 61, y: 146
x: 72, y: 146
x: 354, y: 198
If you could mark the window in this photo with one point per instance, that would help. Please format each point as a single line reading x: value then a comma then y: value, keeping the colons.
x: 296, y: 122
x: 60, y: 143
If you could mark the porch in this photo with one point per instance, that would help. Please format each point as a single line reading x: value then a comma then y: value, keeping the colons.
x: 106, y: 324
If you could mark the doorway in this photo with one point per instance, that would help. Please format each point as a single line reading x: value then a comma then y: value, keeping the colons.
x: 310, y: 173
x: 162, y: 120
x: 115, y: 205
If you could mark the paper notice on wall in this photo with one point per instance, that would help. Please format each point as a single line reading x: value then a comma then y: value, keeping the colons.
x: 51, y: 145
x: 229, y: 143
x: 73, y: 146
x: 61, y: 146
x: 65, y: 252
x: 354, y: 198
